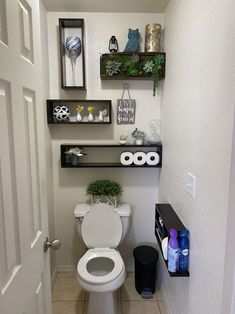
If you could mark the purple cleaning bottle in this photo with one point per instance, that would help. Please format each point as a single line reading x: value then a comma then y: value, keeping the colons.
x: 173, y: 251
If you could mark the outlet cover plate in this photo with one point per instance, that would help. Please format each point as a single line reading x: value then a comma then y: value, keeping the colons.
x: 191, y: 185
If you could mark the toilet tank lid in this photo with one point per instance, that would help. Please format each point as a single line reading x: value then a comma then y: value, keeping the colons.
x: 81, y: 209
x: 123, y: 210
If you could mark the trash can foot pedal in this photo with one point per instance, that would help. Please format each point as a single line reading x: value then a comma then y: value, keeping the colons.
x: 147, y: 294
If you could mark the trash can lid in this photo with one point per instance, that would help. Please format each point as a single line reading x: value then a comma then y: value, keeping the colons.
x: 145, y: 254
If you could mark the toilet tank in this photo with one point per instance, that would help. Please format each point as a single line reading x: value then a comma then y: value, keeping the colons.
x: 123, y: 210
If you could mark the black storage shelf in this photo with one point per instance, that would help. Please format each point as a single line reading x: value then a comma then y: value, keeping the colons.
x: 72, y: 105
x: 169, y: 219
x: 141, y: 55
x: 117, y: 149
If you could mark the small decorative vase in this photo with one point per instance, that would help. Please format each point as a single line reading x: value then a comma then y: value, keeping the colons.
x: 152, y: 37
x: 101, y: 116
x: 79, y: 117
x: 90, y: 117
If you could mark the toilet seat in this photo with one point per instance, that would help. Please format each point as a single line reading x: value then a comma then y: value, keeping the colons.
x: 91, y: 254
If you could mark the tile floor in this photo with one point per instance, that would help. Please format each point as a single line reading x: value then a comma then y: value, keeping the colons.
x: 69, y: 298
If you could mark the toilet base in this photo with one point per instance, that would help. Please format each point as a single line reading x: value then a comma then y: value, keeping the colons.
x: 102, y: 303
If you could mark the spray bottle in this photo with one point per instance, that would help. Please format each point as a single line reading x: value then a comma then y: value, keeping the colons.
x: 173, y: 251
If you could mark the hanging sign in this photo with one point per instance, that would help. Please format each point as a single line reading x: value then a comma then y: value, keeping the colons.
x: 126, y: 108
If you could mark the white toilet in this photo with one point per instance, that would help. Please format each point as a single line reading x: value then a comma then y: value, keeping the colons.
x: 101, y: 270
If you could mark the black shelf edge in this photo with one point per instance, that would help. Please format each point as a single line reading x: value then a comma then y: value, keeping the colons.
x: 106, y: 165
x: 123, y: 77
x: 112, y: 145
x: 139, y: 53
x: 81, y: 123
x: 170, y: 220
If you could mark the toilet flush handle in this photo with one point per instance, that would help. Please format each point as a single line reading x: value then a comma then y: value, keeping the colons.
x: 54, y: 245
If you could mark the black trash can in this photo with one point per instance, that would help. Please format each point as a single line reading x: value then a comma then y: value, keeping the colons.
x: 146, y: 258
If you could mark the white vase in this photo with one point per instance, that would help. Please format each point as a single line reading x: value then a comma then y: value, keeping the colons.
x: 79, y: 117
x: 90, y: 117
x: 101, y: 117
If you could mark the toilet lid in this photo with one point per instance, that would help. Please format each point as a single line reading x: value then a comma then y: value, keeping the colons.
x: 101, y: 227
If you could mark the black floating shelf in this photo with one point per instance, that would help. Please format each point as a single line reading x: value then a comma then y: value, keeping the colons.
x: 99, y: 105
x: 106, y: 155
x: 169, y: 219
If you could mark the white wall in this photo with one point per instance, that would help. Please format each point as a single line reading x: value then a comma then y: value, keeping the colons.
x: 140, y: 185
x: 197, y: 120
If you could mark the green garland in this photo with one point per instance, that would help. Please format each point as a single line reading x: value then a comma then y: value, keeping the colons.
x: 134, y: 65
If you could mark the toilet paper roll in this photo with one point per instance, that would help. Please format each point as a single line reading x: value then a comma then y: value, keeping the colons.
x: 165, y: 247
x: 152, y: 158
x: 139, y: 158
x: 126, y: 158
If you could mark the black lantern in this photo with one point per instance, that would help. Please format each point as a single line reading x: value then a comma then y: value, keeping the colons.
x: 113, y: 44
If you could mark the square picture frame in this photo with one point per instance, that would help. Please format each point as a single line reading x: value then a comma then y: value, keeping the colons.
x: 72, y: 58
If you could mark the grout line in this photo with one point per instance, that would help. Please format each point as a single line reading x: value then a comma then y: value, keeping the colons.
x: 159, y: 308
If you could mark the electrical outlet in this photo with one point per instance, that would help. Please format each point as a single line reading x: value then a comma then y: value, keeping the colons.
x: 191, y: 185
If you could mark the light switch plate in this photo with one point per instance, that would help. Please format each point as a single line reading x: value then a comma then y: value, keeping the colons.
x: 191, y: 185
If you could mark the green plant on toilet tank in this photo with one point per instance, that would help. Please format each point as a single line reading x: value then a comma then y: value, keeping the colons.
x: 134, y: 65
x: 104, y: 191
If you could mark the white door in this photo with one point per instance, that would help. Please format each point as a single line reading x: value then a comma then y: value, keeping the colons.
x: 24, y: 267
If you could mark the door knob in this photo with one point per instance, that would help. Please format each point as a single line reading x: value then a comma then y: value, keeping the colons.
x: 54, y: 245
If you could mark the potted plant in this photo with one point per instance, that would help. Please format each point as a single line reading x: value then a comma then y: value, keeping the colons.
x: 74, y: 155
x: 105, y: 191
x: 138, y: 136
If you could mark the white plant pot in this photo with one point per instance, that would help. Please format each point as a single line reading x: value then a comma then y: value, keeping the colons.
x: 139, y: 141
x: 111, y: 200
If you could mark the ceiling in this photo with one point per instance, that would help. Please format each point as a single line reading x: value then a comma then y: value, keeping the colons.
x: 124, y: 6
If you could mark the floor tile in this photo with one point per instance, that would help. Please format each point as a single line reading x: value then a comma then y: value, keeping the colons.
x: 66, y: 275
x: 69, y: 298
x: 67, y: 307
x: 158, y: 295
x: 67, y: 289
x: 162, y: 307
x: 118, y: 295
x: 119, y: 309
x: 139, y: 307
x: 129, y: 293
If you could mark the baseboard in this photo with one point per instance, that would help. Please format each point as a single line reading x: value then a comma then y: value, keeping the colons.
x: 53, y: 278
x: 167, y: 304
x: 66, y: 269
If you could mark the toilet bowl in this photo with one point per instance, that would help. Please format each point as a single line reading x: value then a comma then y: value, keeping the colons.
x: 101, y: 270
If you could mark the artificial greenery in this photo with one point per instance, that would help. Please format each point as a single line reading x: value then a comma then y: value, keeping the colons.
x: 115, y: 64
x: 112, y: 67
x: 104, y: 187
x: 137, y: 133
